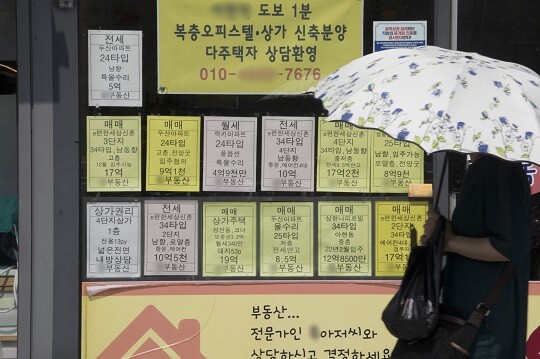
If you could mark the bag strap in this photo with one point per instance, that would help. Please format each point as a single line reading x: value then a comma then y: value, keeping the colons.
x: 489, y: 301
x: 483, y: 309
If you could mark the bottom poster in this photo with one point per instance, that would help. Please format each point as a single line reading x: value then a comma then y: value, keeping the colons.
x: 251, y: 320
x: 234, y: 320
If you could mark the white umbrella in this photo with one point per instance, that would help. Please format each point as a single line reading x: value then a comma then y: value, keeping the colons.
x: 441, y: 100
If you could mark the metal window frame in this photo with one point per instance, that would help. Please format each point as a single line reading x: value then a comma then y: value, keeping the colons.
x: 48, y: 156
x: 445, y: 35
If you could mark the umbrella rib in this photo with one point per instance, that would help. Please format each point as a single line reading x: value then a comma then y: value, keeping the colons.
x: 450, y: 99
x: 515, y: 86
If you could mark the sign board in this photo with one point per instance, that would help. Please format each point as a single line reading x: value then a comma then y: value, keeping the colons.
x: 286, y: 237
x: 254, y: 47
x: 230, y: 154
x: 533, y: 176
x: 229, y: 239
x: 259, y: 320
x: 114, y: 68
x: 343, y: 160
x: 210, y: 320
x: 113, y: 153
x: 395, y: 164
x: 393, y: 223
x: 173, y: 153
x: 398, y: 34
x: 288, y: 154
x: 113, y: 234
x: 345, y: 242
x: 171, y: 238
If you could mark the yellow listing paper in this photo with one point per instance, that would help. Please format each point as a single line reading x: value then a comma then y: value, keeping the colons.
x: 229, y: 239
x: 393, y: 220
x: 345, y: 239
x: 286, y: 233
x: 395, y: 164
x: 254, y: 47
x: 113, y: 153
x: 343, y: 158
x: 173, y: 153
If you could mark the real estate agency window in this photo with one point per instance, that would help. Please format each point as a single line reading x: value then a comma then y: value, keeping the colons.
x: 204, y: 160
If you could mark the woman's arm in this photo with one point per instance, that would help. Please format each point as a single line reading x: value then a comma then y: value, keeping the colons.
x: 475, y: 248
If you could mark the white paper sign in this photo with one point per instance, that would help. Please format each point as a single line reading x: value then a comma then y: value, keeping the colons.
x: 115, y: 68
x: 171, y: 237
x: 287, y: 154
x: 230, y: 150
x: 113, y: 239
x: 398, y: 34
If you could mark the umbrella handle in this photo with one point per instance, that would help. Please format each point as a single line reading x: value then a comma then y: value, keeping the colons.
x: 445, y: 164
x: 413, y: 236
x: 412, y: 232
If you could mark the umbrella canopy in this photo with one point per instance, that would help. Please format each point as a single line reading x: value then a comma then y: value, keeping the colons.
x: 441, y: 100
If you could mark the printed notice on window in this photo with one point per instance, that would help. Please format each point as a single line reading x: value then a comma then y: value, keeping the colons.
x: 113, y: 239
x: 343, y: 158
x: 254, y: 47
x: 171, y: 239
x: 173, y: 153
x: 288, y: 154
x: 394, y: 164
x: 399, y: 34
x: 345, y: 238
x: 113, y: 153
x: 230, y: 152
x: 114, y: 68
x: 229, y: 239
x: 286, y: 233
x: 393, y: 221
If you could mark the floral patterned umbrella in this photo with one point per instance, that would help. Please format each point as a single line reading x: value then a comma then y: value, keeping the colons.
x: 441, y: 100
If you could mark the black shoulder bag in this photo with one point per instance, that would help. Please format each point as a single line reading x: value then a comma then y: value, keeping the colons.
x: 413, y: 312
x: 453, y: 336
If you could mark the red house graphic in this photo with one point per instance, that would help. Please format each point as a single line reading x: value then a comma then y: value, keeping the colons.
x: 533, y: 345
x: 185, y: 340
